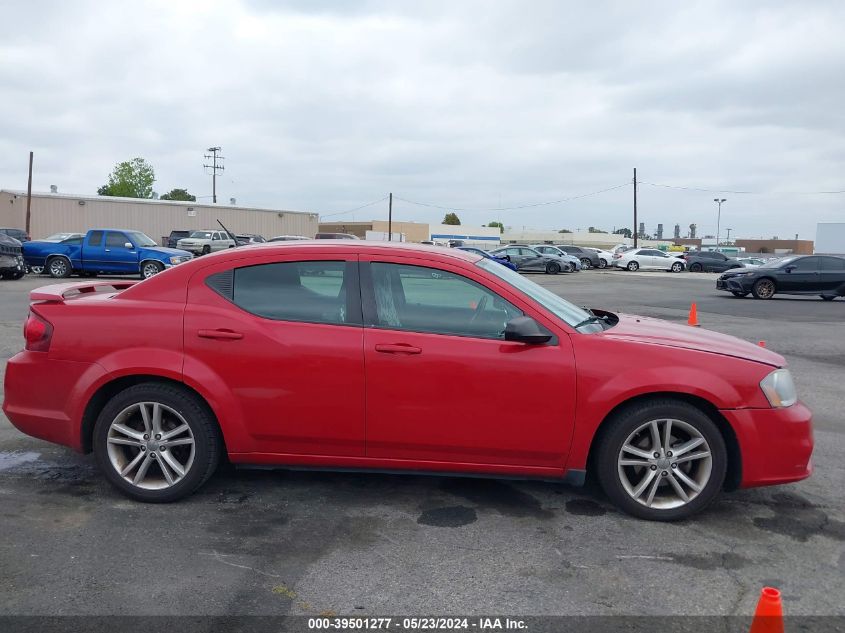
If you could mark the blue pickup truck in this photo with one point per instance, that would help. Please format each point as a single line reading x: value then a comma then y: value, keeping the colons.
x: 108, y: 251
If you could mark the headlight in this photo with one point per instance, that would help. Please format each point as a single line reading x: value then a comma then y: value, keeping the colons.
x: 178, y: 259
x: 779, y: 388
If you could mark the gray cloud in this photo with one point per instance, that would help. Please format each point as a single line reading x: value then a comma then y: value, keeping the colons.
x: 327, y: 105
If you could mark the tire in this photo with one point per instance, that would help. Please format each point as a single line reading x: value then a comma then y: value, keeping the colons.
x: 633, y: 266
x: 17, y: 274
x: 763, y: 289
x: 206, y: 249
x: 586, y: 263
x: 59, y: 267
x: 552, y: 268
x: 828, y: 297
x: 696, y: 268
x: 736, y: 293
x: 178, y: 407
x: 150, y: 269
x: 622, y: 481
x: 602, y: 263
x: 677, y: 267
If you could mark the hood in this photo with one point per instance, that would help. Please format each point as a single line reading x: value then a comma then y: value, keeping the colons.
x: 164, y: 250
x: 650, y: 331
x: 736, y: 272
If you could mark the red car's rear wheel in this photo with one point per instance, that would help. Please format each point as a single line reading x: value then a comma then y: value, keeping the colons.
x: 156, y: 442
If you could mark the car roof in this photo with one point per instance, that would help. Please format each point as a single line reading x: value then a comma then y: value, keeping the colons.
x: 362, y: 247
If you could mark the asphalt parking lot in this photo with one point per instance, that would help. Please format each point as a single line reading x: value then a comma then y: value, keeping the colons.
x: 282, y: 542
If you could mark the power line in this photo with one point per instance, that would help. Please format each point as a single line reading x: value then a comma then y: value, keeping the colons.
x: 753, y: 193
x: 521, y: 206
x: 363, y: 206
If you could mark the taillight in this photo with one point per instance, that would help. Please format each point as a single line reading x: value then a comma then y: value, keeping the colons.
x: 37, y: 332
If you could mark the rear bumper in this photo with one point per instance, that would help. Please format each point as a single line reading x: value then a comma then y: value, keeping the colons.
x: 776, y: 444
x: 53, y: 414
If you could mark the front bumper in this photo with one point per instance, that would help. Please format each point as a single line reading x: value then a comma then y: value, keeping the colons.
x: 775, y: 444
x: 733, y: 284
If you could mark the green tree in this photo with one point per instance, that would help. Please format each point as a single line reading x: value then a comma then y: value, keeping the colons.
x: 624, y: 232
x: 130, y: 179
x: 593, y: 229
x: 179, y: 194
x: 564, y: 231
x: 499, y: 224
x: 451, y: 218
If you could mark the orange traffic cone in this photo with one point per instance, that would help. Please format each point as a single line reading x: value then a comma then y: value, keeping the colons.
x: 768, y: 618
x: 693, y: 316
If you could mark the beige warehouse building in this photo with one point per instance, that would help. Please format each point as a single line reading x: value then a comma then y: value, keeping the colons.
x: 55, y: 213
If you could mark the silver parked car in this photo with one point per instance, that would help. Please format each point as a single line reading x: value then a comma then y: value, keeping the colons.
x: 526, y: 259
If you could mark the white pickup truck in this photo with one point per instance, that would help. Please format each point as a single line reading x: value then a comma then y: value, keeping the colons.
x: 204, y: 242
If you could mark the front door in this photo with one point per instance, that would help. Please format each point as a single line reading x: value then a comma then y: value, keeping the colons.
x: 117, y: 256
x: 283, y: 339
x: 803, y: 276
x: 442, y: 384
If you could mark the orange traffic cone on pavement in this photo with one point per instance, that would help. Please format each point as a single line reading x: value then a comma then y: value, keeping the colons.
x: 693, y: 315
x: 768, y: 618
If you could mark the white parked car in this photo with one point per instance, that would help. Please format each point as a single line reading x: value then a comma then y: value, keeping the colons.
x: 605, y: 257
x: 751, y: 262
x: 288, y: 238
x: 648, y: 258
x: 204, y: 242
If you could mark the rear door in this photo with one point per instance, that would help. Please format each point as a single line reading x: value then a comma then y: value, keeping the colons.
x: 832, y: 274
x: 443, y: 387
x: 281, y: 338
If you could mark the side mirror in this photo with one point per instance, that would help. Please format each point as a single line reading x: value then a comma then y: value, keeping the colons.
x: 789, y: 269
x: 128, y: 245
x: 526, y: 330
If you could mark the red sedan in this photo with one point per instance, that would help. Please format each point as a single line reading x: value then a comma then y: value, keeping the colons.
x: 401, y: 358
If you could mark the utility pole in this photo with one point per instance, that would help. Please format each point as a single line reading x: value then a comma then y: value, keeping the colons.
x: 29, y: 194
x: 390, y: 218
x: 728, y: 241
x: 719, y: 201
x: 214, y: 167
x: 635, y: 207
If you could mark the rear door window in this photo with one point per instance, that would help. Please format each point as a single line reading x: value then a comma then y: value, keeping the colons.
x: 310, y: 292
x: 95, y: 238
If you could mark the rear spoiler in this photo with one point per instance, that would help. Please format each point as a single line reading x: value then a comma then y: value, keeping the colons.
x: 57, y: 293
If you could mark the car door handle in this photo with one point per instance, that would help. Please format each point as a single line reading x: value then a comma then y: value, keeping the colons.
x: 397, y: 348
x: 220, y: 334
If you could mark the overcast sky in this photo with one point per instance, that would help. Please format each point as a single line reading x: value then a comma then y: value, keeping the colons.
x: 327, y: 105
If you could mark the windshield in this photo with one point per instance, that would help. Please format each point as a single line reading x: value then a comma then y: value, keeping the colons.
x: 201, y: 235
x: 140, y: 239
x: 777, y: 263
x: 569, y: 313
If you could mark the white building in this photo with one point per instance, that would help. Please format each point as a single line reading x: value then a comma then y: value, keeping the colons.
x: 485, y: 237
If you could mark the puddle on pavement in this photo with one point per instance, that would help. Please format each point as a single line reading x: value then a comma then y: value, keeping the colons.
x: 13, y: 459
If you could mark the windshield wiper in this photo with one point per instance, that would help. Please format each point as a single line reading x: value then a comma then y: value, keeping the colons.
x: 592, y: 319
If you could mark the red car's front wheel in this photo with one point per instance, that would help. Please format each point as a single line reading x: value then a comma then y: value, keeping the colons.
x: 662, y: 460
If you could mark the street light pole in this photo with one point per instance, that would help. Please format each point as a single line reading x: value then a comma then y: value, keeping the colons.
x: 718, y: 201
x: 729, y: 236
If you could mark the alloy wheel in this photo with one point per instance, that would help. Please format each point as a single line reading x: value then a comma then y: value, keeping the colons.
x: 150, y: 269
x: 664, y: 464
x: 58, y: 267
x: 764, y: 289
x: 150, y: 445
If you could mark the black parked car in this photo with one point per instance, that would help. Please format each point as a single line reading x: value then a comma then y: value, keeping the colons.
x: 527, y: 259
x: 822, y: 275
x: 710, y: 261
x: 589, y: 259
x: 12, y: 265
x: 175, y: 236
x: 18, y: 234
